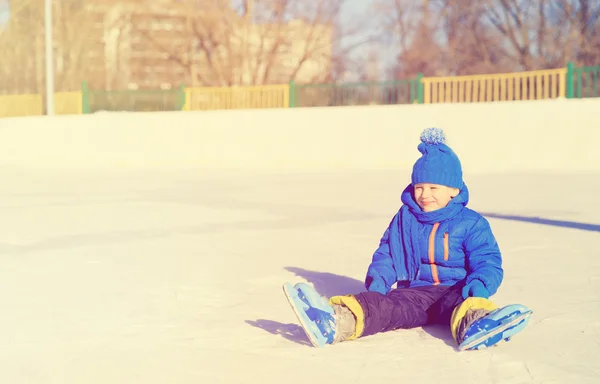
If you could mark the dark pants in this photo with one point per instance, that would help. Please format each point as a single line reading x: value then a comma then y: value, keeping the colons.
x: 408, y: 307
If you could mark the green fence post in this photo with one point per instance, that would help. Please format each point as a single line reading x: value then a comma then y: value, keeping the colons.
x: 420, y: 88
x: 594, y: 75
x: 85, y: 98
x: 412, y: 91
x: 577, y: 92
x: 292, y: 96
x: 387, y: 92
x: 570, y: 80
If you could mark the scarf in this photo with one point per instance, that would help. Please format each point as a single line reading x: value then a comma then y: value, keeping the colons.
x: 410, y: 217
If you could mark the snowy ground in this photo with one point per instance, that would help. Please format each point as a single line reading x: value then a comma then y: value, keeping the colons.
x: 175, y: 277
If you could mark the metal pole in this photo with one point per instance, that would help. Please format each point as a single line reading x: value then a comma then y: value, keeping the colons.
x: 49, y: 58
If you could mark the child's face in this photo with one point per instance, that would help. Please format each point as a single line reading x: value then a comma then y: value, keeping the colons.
x: 431, y: 197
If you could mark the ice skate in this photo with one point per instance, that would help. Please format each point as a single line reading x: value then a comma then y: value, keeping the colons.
x: 498, y: 325
x: 314, y: 312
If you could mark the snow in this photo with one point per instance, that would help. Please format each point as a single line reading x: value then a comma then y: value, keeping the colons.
x: 142, y: 276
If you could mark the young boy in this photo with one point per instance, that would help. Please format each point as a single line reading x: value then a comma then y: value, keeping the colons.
x: 443, y: 258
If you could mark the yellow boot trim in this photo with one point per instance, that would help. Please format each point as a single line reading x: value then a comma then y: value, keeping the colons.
x: 461, y: 310
x: 353, y: 305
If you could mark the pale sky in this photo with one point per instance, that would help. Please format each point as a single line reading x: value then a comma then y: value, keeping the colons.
x: 4, y: 11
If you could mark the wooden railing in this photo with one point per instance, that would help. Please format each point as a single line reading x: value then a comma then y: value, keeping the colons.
x: 532, y: 85
x: 265, y: 96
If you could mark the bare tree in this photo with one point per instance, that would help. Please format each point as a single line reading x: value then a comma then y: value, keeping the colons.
x: 22, y: 46
x: 470, y: 46
x: 73, y: 35
x: 545, y: 33
x: 411, y: 26
x: 21, y: 66
x: 582, y: 18
x: 259, y: 41
x: 448, y: 37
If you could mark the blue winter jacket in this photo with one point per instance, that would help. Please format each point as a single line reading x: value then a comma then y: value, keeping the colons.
x: 444, y: 247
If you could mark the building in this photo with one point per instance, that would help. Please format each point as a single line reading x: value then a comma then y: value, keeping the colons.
x: 165, y: 44
x: 153, y: 44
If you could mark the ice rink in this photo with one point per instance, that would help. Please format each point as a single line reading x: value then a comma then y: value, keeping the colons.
x: 113, y: 276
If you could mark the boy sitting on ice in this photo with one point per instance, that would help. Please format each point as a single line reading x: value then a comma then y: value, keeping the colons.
x: 443, y: 258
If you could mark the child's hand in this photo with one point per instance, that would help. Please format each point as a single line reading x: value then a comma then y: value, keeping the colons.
x: 475, y: 289
x: 376, y: 284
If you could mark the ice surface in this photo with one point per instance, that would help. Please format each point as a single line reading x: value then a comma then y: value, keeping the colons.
x: 175, y: 277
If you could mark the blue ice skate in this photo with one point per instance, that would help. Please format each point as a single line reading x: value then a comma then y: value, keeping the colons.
x: 499, y: 325
x: 313, y: 311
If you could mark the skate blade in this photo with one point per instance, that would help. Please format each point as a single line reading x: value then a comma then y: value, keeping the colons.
x: 305, y: 322
x: 484, y: 336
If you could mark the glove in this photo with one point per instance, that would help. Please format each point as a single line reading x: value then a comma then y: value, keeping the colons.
x: 376, y: 284
x: 475, y: 289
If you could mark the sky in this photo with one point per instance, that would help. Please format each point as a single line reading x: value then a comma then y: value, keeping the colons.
x: 356, y: 7
x: 4, y: 11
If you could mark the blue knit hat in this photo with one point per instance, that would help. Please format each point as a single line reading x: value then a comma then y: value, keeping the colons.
x: 438, y: 164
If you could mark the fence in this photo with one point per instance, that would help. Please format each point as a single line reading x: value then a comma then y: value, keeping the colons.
x: 583, y: 81
x: 21, y: 105
x: 65, y: 103
x: 132, y: 100
x: 333, y: 95
x: 68, y: 103
x: 210, y: 98
x: 533, y: 85
x: 570, y: 82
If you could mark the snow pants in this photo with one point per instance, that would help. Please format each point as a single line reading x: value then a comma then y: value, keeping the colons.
x: 408, y: 307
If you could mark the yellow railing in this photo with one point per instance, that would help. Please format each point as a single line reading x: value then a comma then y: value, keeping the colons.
x: 266, y: 96
x: 532, y: 85
x: 65, y: 103
x: 68, y: 103
x: 21, y: 105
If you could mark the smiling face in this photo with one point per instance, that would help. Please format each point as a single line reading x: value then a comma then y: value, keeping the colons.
x: 431, y: 197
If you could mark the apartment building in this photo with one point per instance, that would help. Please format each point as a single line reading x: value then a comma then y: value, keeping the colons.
x: 169, y: 43
x: 151, y: 44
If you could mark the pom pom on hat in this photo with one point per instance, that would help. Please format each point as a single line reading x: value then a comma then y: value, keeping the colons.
x: 433, y: 136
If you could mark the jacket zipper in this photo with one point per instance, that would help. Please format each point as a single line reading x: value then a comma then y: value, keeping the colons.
x: 446, y: 246
x: 434, y: 270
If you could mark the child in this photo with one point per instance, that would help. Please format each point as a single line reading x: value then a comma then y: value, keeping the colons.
x: 443, y: 258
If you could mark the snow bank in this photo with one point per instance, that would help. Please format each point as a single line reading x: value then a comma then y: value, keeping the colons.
x: 550, y: 135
